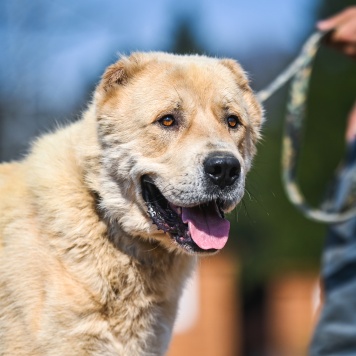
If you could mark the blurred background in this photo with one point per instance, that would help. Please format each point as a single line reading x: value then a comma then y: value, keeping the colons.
x: 260, y: 296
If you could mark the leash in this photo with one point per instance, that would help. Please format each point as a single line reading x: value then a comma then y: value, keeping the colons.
x: 300, y: 70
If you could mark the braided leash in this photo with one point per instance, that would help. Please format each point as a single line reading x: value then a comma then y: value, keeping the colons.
x: 300, y: 70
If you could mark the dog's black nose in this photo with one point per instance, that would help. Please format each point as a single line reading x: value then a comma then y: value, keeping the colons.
x: 222, y: 169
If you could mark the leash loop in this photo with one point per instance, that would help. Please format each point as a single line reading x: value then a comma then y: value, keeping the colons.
x: 300, y: 70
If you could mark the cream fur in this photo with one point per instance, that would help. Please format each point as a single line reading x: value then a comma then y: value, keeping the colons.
x: 83, y: 271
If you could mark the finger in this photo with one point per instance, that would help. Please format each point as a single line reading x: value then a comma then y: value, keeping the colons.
x: 338, y: 19
x: 350, y: 50
x: 346, y: 33
x: 346, y: 48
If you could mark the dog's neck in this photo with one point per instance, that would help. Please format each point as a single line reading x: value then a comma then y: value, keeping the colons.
x: 143, y: 251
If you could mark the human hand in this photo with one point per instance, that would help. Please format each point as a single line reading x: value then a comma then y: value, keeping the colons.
x: 344, y: 35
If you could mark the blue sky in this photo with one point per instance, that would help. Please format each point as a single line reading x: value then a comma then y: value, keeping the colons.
x: 53, y: 49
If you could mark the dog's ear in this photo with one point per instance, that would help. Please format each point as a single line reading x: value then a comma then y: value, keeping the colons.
x: 120, y: 72
x: 237, y: 71
x: 114, y: 75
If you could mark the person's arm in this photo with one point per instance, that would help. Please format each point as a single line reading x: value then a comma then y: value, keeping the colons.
x: 344, y: 35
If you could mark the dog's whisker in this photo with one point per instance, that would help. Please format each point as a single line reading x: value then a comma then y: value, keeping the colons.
x: 248, y: 193
x: 152, y: 249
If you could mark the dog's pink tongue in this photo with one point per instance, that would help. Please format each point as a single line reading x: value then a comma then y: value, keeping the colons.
x: 206, y: 227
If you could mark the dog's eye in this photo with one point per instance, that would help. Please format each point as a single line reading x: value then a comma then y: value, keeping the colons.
x: 233, y: 121
x: 167, y: 120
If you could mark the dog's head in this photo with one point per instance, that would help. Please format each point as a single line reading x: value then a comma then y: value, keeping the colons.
x: 178, y: 134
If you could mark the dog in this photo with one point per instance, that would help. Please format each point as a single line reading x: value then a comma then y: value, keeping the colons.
x: 102, y: 222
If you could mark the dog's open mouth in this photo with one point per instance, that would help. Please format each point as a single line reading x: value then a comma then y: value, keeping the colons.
x: 200, y: 228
